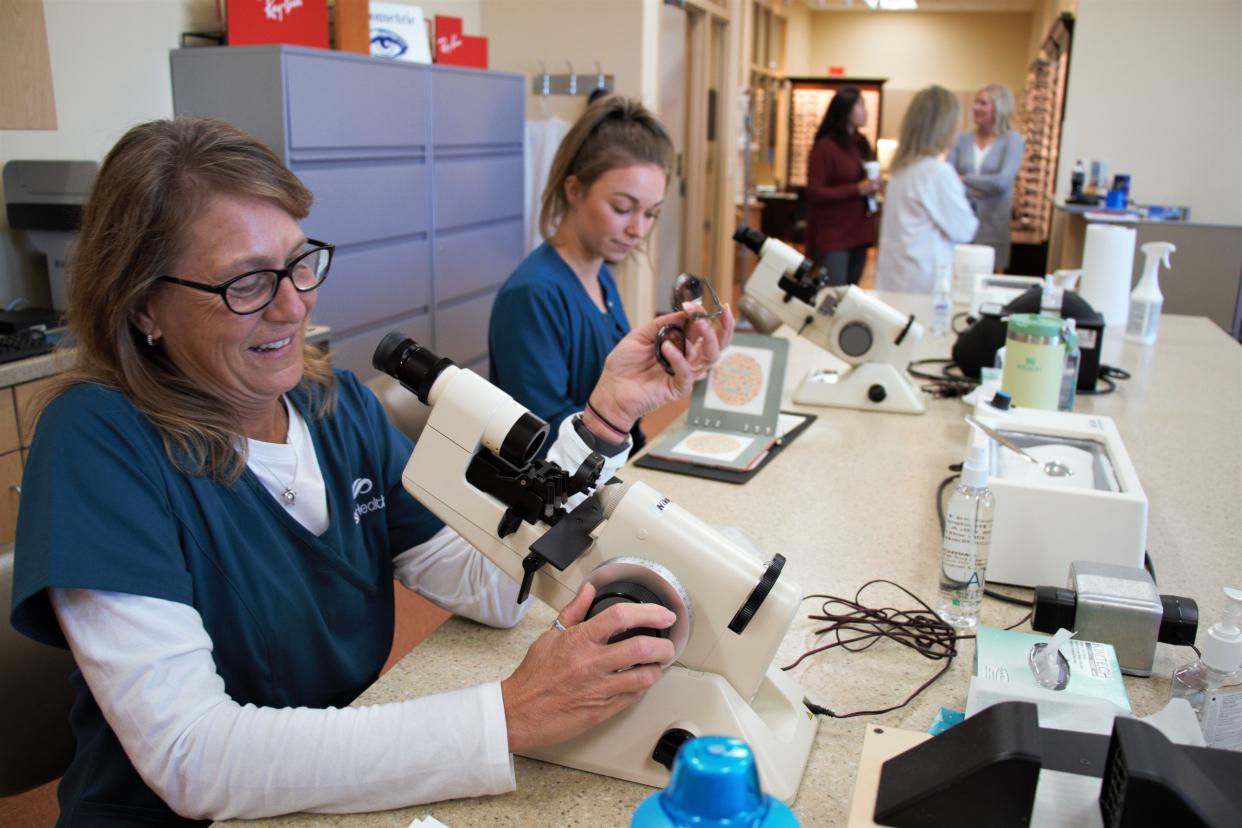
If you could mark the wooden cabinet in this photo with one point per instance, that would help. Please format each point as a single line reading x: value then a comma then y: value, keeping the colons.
x: 23, y: 396
x: 15, y: 436
x: 10, y: 437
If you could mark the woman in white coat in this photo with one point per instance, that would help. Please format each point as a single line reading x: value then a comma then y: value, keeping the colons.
x: 925, y: 207
x: 987, y: 159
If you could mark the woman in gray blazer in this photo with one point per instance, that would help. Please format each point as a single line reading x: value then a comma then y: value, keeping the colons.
x: 987, y: 159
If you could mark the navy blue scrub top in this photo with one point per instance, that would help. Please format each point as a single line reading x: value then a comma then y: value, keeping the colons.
x: 547, y: 341
x: 295, y: 619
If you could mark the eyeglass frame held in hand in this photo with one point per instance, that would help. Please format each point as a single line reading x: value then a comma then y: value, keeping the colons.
x: 677, y: 333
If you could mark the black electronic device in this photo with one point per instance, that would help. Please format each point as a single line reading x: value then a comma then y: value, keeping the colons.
x: 984, y: 772
x: 23, y: 345
x: 976, y: 347
x: 16, y: 321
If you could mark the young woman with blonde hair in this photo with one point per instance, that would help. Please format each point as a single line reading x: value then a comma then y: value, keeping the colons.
x: 987, y: 159
x: 559, y: 314
x: 925, y: 208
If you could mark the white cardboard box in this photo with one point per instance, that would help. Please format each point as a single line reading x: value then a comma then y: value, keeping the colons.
x: 1042, y: 524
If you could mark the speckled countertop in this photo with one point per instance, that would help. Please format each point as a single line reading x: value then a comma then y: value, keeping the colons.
x: 852, y: 500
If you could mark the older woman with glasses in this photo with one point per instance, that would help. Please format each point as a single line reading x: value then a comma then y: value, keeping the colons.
x: 212, y: 518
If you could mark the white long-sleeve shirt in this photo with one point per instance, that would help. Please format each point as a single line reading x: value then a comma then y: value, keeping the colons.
x: 148, y: 663
x: 925, y: 214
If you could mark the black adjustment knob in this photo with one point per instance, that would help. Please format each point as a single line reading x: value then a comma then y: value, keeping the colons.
x: 758, y: 595
x: 670, y: 742
x: 1001, y: 400
x: 626, y: 592
x: 877, y: 393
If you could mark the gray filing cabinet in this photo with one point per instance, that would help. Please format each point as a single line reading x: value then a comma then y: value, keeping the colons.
x: 417, y: 175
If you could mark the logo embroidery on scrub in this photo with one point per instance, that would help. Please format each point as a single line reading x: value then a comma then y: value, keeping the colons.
x: 363, y: 486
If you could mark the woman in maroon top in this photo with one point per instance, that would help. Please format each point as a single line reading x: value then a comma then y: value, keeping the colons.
x: 839, y: 225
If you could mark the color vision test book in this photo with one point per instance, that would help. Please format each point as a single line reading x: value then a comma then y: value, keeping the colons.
x: 734, y: 417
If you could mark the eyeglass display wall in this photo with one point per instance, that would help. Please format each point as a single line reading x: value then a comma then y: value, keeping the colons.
x: 417, y: 175
x: 1040, y: 110
x: 809, y: 99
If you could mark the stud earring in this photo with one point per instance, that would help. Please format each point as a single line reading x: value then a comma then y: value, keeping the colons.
x: 150, y: 341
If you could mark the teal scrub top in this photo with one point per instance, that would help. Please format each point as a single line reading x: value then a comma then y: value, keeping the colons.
x: 295, y: 619
x: 547, y: 341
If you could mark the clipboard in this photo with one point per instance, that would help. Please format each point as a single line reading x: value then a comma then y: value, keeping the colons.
x: 735, y: 424
x: 728, y: 475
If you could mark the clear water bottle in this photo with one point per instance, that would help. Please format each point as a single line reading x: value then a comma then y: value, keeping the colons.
x: 942, y: 302
x: 967, y: 539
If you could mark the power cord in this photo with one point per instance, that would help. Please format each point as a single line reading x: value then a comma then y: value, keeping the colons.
x: 919, y: 629
x: 1107, y: 375
x: 943, y: 385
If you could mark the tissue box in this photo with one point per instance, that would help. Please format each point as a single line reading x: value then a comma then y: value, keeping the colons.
x: 1088, y: 668
x: 1043, y: 524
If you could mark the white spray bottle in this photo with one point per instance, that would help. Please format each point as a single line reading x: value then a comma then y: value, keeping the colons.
x: 1147, y: 300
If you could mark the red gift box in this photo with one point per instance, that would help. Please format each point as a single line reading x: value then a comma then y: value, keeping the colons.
x: 296, y: 22
x: 457, y: 49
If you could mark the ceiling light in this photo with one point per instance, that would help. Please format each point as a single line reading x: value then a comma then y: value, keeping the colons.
x: 896, y: 5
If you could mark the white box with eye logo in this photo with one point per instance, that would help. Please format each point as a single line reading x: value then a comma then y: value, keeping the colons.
x: 399, y: 32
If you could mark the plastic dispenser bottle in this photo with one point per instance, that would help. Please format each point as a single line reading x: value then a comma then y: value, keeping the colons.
x: 1050, y: 298
x: 1147, y: 300
x: 715, y: 783
x: 1073, y: 356
x: 967, y: 538
x: 1219, y: 663
x: 942, y: 301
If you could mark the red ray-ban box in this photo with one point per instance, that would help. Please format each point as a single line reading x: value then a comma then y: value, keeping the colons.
x: 457, y: 49
x: 296, y: 22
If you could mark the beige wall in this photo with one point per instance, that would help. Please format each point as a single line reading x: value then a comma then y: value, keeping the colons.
x: 110, y: 71
x: 1153, y: 88
x: 798, y: 41
x: 960, y: 51
x: 523, y: 32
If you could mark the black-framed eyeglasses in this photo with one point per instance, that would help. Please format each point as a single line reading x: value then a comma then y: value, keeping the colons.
x: 254, y: 290
x: 687, y: 289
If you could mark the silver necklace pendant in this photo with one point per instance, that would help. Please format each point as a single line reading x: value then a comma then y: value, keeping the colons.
x: 289, y: 495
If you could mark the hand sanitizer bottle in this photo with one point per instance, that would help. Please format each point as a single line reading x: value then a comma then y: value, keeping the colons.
x: 1222, y: 651
x: 1146, y: 301
x: 967, y: 538
x: 942, y: 301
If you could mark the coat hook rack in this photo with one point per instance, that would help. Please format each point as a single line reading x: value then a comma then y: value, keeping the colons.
x: 571, y: 83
